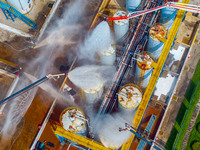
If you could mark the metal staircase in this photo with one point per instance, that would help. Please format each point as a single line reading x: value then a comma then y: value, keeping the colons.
x: 10, y: 13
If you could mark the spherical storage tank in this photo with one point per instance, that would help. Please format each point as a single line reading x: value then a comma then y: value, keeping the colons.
x: 131, y: 5
x: 73, y: 119
x: 154, y: 45
x: 167, y: 17
x: 129, y: 97
x: 108, y: 55
x: 23, y: 6
x: 143, y: 68
x: 121, y: 27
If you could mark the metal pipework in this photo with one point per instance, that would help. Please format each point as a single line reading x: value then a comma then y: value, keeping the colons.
x: 49, y: 76
x: 131, y: 129
x: 126, y: 59
x: 182, y: 6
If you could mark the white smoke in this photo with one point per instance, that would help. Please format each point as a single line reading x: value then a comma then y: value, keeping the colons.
x: 60, y: 33
x: 91, y: 76
x: 108, y: 131
x: 99, y: 39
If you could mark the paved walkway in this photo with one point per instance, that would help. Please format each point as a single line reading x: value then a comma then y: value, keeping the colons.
x: 183, y: 83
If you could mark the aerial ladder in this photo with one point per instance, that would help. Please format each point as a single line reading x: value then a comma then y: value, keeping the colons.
x: 132, y: 130
x: 156, y: 73
x: 10, y: 12
x: 181, y: 6
x: 159, y: 65
x: 34, y: 84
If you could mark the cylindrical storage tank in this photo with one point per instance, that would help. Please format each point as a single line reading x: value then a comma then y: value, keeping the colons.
x: 167, y: 17
x: 107, y: 56
x: 73, y: 119
x: 121, y: 27
x: 129, y: 97
x: 131, y: 5
x: 24, y: 6
x: 143, y: 68
x: 93, y: 95
x: 94, y: 90
x: 109, y: 134
x: 154, y: 45
x: 90, y: 82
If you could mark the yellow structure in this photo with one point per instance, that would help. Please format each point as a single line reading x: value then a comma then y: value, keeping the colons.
x: 79, y: 139
x: 156, y: 73
x: 146, y: 97
x: 72, y: 119
x: 188, y: 30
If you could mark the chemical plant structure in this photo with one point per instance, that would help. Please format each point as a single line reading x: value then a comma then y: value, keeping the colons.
x: 117, y: 96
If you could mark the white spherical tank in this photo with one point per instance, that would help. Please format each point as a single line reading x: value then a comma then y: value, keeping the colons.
x: 154, y: 45
x: 107, y: 56
x: 23, y: 6
x: 167, y: 17
x: 129, y: 97
x: 73, y: 119
x: 121, y: 27
x: 131, y: 5
x: 143, y: 68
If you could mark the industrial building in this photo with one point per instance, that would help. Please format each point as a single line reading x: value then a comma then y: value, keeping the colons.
x: 93, y: 74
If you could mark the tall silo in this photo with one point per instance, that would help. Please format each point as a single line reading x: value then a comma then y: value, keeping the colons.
x: 107, y: 56
x: 143, y: 68
x: 132, y: 5
x: 154, y: 45
x: 167, y: 17
x: 24, y: 6
x: 129, y: 97
x: 121, y: 27
x: 73, y: 119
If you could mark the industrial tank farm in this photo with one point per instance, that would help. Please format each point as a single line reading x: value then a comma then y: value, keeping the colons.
x: 105, y: 65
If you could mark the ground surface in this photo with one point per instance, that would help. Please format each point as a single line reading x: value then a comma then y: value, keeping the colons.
x: 29, y: 60
x: 183, y: 83
x: 39, y: 62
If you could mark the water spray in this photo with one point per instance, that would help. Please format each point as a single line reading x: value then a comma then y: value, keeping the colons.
x: 134, y: 131
x: 34, y: 84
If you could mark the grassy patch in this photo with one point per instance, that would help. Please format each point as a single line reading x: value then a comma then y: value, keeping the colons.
x: 172, y: 138
x: 187, y: 119
x: 194, y: 135
x: 184, y: 116
x: 181, y: 113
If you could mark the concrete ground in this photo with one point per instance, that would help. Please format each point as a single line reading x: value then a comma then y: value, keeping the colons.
x: 28, y: 126
x: 183, y: 83
x: 36, y: 14
x: 154, y: 108
x: 39, y: 62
